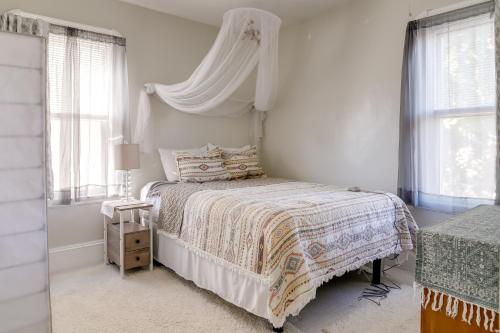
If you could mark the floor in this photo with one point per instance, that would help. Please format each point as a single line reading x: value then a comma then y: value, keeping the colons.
x: 96, y: 299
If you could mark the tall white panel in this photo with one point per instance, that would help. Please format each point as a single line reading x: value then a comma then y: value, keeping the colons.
x: 24, y: 283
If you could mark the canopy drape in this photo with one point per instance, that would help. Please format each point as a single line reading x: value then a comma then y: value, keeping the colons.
x: 248, y: 38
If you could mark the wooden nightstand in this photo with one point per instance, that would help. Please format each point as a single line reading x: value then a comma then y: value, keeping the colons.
x: 127, y: 243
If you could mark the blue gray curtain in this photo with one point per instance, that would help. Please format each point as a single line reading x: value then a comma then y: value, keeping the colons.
x: 414, y: 92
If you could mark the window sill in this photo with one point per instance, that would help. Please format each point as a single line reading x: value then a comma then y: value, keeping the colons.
x: 86, y: 202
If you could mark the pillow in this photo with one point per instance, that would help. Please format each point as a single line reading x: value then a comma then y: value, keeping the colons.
x: 248, y: 150
x: 206, y: 167
x: 169, y: 163
x: 243, y: 166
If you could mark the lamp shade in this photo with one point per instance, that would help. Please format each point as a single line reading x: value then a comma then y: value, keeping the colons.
x: 126, y: 156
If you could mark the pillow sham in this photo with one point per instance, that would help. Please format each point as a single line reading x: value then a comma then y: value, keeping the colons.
x: 248, y: 150
x: 201, y: 168
x: 169, y: 163
x: 243, y: 166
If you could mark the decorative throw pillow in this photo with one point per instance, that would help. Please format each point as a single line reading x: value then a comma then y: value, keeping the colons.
x: 169, y: 163
x: 201, y: 168
x: 247, y: 150
x: 243, y: 166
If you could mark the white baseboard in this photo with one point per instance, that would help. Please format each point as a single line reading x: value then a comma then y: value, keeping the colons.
x: 76, y: 256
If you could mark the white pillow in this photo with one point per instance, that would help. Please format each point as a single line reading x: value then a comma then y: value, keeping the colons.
x: 169, y: 163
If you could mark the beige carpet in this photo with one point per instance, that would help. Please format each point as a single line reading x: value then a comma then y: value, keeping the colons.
x: 96, y: 299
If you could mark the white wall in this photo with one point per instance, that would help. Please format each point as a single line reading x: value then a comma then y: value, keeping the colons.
x: 160, y: 48
x: 337, y: 118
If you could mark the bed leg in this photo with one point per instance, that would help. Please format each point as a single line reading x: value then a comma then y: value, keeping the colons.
x: 377, y: 271
x: 278, y: 329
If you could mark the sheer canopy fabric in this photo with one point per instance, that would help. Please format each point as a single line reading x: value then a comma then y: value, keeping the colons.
x: 247, y: 39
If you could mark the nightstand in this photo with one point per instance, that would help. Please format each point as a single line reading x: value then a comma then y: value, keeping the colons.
x: 127, y: 243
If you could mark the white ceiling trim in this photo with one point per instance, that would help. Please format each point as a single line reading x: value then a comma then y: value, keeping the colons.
x: 211, y: 11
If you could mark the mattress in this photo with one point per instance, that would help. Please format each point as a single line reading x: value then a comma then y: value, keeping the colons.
x: 290, y: 236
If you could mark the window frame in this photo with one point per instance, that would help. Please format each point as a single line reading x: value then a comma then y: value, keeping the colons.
x: 104, y: 122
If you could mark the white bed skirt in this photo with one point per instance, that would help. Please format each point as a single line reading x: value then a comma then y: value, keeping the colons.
x: 246, y: 290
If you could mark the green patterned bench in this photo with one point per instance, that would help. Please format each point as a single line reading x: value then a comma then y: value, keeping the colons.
x: 460, y: 258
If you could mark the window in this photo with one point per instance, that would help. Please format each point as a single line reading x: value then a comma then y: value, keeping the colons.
x: 461, y: 110
x: 86, y: 97
x: 448, y: 133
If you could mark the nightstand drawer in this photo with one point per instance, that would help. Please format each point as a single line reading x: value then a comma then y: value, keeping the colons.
x: 136, y: 240
x: 135, y: 236
x: 137, y: 258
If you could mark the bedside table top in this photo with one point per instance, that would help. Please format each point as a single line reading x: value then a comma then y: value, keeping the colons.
x: 109, y: 207
x: 133, y: 206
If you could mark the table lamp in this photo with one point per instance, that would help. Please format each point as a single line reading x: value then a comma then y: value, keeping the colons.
x: 126, y: 157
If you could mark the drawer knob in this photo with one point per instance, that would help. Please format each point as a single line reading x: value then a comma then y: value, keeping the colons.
x: 137, y: 258
x: 137, y: 241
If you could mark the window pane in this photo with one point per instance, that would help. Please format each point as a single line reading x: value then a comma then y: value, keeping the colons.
x: 467, y: 156
x: 80, y: 83
x: 456, y: 130
x: 93, y: 155
x: 55, y: 151
x: 465, y: 62
x: 56, y: 53
x: 95, y: 77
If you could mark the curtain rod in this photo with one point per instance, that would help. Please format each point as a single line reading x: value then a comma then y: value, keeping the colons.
x: 70, y: 24
x: 459, y: 5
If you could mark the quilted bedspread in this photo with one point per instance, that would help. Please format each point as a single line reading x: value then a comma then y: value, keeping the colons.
x: 296, y: 235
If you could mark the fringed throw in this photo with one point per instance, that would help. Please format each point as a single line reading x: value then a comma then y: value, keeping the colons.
x: 460, y: 258
x: 471, y: 313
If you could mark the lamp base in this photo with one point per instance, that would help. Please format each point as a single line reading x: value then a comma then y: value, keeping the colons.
x: 127, y: 185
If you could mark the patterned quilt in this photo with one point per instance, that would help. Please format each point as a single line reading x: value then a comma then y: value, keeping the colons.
x: 297, y: 235
x: 175, y: 195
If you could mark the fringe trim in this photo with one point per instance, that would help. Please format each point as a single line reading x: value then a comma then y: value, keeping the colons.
x: 219, y: 261
x: 303, y: 299
x: 451, y: 308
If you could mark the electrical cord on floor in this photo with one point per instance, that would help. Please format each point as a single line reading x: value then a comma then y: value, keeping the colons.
x: 378, y: 292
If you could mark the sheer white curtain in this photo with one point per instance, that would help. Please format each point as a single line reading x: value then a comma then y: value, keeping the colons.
x: 88, y: 104
x: 451, y: 131
x: 247, y: 38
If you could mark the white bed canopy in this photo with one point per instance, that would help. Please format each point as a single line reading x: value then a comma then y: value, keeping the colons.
x: 248, y: 38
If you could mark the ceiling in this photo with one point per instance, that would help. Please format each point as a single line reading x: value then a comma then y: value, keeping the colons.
x: 211, y: 11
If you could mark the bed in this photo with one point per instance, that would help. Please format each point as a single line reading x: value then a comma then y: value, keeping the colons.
x: 267, y: 244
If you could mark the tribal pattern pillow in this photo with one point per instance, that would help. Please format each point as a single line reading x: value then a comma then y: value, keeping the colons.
x: 243, y: 166
x: 227, y: 153
x: 200, y: 168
